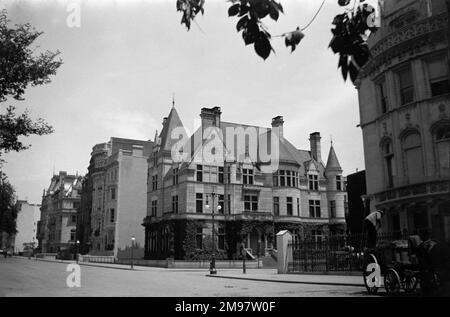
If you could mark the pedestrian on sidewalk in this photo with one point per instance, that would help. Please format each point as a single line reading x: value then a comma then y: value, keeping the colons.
x: 372, y: 223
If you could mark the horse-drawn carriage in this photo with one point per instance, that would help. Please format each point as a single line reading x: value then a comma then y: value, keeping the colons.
x: 405, y: 265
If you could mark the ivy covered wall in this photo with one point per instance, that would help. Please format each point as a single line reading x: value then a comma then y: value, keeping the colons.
x: 178, y: 238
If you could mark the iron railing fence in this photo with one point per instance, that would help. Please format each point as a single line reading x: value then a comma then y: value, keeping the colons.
x: 338, y: 253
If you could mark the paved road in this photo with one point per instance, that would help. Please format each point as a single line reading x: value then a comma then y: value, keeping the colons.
x: 23, y: 277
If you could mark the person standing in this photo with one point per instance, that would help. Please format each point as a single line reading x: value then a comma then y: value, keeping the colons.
x: 372, y: 223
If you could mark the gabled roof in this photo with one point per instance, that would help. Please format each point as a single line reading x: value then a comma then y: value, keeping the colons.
x: 333, y: 162
x: 288, y: 153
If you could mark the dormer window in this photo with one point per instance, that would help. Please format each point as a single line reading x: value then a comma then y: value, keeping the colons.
x: 313, y: 182
x: 285, y: 178
x: 247, y: 176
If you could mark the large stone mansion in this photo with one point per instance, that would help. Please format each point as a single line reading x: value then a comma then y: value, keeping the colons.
x: 249, y: 202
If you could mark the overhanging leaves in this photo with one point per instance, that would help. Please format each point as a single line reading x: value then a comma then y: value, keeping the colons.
x: 190, y: 9
x: 349, y: 33
x: 251, y: 13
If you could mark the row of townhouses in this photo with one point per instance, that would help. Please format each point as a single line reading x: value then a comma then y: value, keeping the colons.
x: 142, y: 189
x: 60, y: 202
x: 168, y: 193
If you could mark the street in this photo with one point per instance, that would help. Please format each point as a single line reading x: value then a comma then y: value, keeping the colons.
x: 24, y: 277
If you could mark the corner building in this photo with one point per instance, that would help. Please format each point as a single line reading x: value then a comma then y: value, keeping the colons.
x: 248, y: 204
x: 404, y: 100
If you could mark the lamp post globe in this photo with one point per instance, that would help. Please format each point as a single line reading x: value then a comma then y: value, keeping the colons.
x: 77, y: 248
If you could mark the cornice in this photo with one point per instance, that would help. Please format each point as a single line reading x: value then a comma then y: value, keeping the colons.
x: 426, y: 32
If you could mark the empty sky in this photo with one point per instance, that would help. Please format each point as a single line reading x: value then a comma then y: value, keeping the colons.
x: 128, y: 57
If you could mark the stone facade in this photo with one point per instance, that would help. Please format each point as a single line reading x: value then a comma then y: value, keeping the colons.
x: 248, y: 204
x: 59, y: 212
x: 26, y: 225
x: 114, y: 198
x: 405, y: 117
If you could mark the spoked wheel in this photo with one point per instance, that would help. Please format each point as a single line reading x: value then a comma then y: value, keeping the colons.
x: 411, y: 283
x: 370, y: 275
x: 392, y: 282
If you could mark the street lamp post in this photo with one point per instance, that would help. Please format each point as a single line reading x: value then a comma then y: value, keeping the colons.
x: 132, y: 247
x: 212, y: 266
x: 244, y: 254
x: 76, y: 254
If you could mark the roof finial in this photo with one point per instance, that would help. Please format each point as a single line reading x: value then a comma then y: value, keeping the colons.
x: 173, y: 100
x: 331, y: 137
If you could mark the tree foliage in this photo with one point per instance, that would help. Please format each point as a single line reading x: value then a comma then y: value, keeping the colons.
x: 8, y: 206
x: 13, y: 126
x: 350, y: 32
x: 350, y: 29
x: 251, y: 13
x: 190, y: 9
x: 19, y: 69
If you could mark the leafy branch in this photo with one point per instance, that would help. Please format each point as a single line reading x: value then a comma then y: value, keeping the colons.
x: 350, y: 31
x: 20, y: 68
x: 13, y: 126
x: 190, y: 9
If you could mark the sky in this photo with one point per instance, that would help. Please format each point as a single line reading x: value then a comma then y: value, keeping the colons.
x: 125, y: 61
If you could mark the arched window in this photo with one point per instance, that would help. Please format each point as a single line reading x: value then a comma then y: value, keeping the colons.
x: 441, y: 136
x: 388, y: 156
x: 443, y: 133
x: 412, y: 157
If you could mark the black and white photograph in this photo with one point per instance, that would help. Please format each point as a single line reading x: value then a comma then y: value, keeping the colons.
x: 226, y: 154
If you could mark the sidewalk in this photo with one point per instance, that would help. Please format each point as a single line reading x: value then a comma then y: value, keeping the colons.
x: 136, y: 267
x: 262, y: 275
x: 103, y: 265
x: 266, y: 275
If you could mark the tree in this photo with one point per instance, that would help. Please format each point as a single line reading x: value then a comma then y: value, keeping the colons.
x: 8, y: 206
x: 20, y: 68
x: 350, y: 32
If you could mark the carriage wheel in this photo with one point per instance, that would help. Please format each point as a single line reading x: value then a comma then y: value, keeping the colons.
x: 411, y: 283
x: 392, y: 282
x: 372, y: 288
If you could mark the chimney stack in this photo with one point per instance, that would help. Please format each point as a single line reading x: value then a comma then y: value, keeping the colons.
x: 277, y: 125
x: 210, y: 117
x: 314, y: 140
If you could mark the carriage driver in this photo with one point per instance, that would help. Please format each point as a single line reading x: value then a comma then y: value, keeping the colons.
x: 372, y: 224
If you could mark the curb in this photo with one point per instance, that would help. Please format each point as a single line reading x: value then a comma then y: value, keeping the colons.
x: 85, y: 264
x: 109, y: 267
x: 289, y: 282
